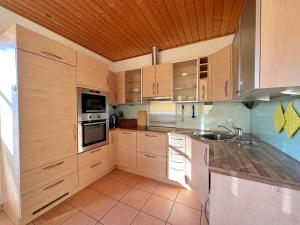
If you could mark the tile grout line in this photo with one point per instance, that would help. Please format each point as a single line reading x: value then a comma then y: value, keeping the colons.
x: 172, y: 207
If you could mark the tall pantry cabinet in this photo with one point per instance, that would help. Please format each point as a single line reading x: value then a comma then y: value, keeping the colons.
x: 38, y: 123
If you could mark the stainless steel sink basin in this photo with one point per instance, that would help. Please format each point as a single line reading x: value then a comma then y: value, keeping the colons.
x: 242, y: 142
x: 214, y: 136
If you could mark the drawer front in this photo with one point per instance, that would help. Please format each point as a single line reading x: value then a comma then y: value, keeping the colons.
x: 91, y: 173
x: 41, y: 200
x: 152, y: 143
x: 39, y: 177
x: 41, y: 45
x: 152, y: 164
x: 91, y: 157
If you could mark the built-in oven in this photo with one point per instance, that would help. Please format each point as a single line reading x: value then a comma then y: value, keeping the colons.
x: 93, y: 119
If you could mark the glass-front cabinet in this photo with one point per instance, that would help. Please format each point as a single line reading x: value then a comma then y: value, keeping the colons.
x: 133, y: 86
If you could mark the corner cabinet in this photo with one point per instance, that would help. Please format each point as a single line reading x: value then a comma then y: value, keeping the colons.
x: 91, y: 73
x: 157, y: 81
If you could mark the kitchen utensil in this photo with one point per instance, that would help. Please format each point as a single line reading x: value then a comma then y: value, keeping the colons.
x: 292, y: 120
x: 278, y: 119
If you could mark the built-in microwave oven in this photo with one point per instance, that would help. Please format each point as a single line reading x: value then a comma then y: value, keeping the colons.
x: 91, y: 101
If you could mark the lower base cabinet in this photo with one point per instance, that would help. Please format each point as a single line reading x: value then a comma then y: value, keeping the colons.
x: 152, y: 165
x: 235, y: 201
x: 111, y: 149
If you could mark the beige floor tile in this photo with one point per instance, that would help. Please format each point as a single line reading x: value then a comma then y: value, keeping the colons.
x: 118, y: 190
x: 102, y: 184
x: 99, y: 207
x: 158, y: 207
x: 116, y: 175
x: 57, y: 215
x: 80, y: 219
x: 136, y: 198
x: 188, y: 198
x: 145, y: 219
x: 183, y: 215
x: 147, y: 184
x: 4, y: 220
x: 82, y: 197
x: 166, y: 191
x: 130, y: 179
x: 121, y: 214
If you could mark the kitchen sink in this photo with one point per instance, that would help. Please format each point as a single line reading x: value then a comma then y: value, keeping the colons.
x: 214, y: 136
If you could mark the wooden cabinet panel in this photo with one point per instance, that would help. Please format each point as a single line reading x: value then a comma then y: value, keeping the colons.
x: 153, y: 143
x: 42, y: 176
x: 38, y: 44
x: 112, y: 95
x: 280, y: 49
x: 91, y: 73
x: 47, y: 107
x: 220, y: 79
x: 203, y: 90
x: 120, y: 87
x: 164, y: 80
x: 197, y: 174
x: 38, y: 202
x: 126, y: 149
x: 149, y: 82
x: 93, y: 156
x: 250, y: 202
x: 111, y: 149
x: 152, y: 164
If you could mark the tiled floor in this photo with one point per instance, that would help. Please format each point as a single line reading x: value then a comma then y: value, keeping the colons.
x: 121, y: 198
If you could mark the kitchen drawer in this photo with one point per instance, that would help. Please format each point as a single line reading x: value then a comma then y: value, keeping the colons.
x: 92, y: 156
x: 91, y: 173
x: 152, y: 164
x: 41, y: 176
x: 41, y: 45
x: 41, y: 200
x: 153, y: 143
x: 177, y: 140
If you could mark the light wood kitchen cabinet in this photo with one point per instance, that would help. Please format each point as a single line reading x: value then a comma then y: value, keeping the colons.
x: 126, y: 149
x: 220, y: 77
x: 91, y: 73
x: 197, y: 174
x: 92, y: 156
x: 46, y: 135
x: 152, y: 142
x: 120, y: 87
x: 280, y: 49
x: 112, y: 94
x: 249, y: 202
x: 203, y: 89
x: 158, y: 81
x: 152, y: 165
x: 111, y: 149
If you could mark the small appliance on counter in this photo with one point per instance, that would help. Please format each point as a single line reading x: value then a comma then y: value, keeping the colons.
x: 113, y: 121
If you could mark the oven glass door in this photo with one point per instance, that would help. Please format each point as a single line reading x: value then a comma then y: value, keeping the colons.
x: 93, y: 132
x: 93, y: 103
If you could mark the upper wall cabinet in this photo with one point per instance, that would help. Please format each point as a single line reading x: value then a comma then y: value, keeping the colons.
x: 157, y: 81
x: 133, y: 86
x: 185, y: 79
x: 91, y: 73
x: 112, y: 95
x: 120, y: 87
x: 220, y: 77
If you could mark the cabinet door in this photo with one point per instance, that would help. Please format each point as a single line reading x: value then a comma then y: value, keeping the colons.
x: 280, y: 46
x: 197, y: 175
x: 203, y: 90
x: 47, y: 107
x: 91, y: 73
x: 126, y: 149
x: 152, y: 165
x: 153, y: 143
x: 111, y: 149
x: 149, y: 87
x: 120, y: 87
x: 111, y: 88
x: 221, y: 75
x: 164, y: 80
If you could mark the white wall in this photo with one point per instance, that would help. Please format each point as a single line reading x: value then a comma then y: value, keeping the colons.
x: 8, y: 18
x: 195, y: 50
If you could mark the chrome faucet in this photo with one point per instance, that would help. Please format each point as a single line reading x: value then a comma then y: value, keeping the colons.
x: 236, y: 132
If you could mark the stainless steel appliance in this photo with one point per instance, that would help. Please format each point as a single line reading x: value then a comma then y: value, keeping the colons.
x: 93, y: 119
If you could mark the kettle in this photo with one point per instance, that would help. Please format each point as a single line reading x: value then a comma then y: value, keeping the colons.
x: 113, y: 121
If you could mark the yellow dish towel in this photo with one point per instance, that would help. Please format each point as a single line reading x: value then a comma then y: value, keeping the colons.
x: 292, y: 120
x: 278, y: 119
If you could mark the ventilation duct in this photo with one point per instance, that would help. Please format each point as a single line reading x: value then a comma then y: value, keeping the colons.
x: 154, y: 55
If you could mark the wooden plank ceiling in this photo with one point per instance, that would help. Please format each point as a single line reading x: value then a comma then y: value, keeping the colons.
x: 121, y: 29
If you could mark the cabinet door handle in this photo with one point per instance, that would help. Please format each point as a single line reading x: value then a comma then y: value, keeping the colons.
x: 150, y: 156
x: 153, y: 86
x: 53, y: 165
x: 149, y: 135
x: 51, y: 55
x: 95, y: 150
x: 157, y: 88
x: 97, y: 164
x: 125, y: 132
x: 54, y: 185
x: 74, y: 131
x: 205, y: 157
x: 226, y: 88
